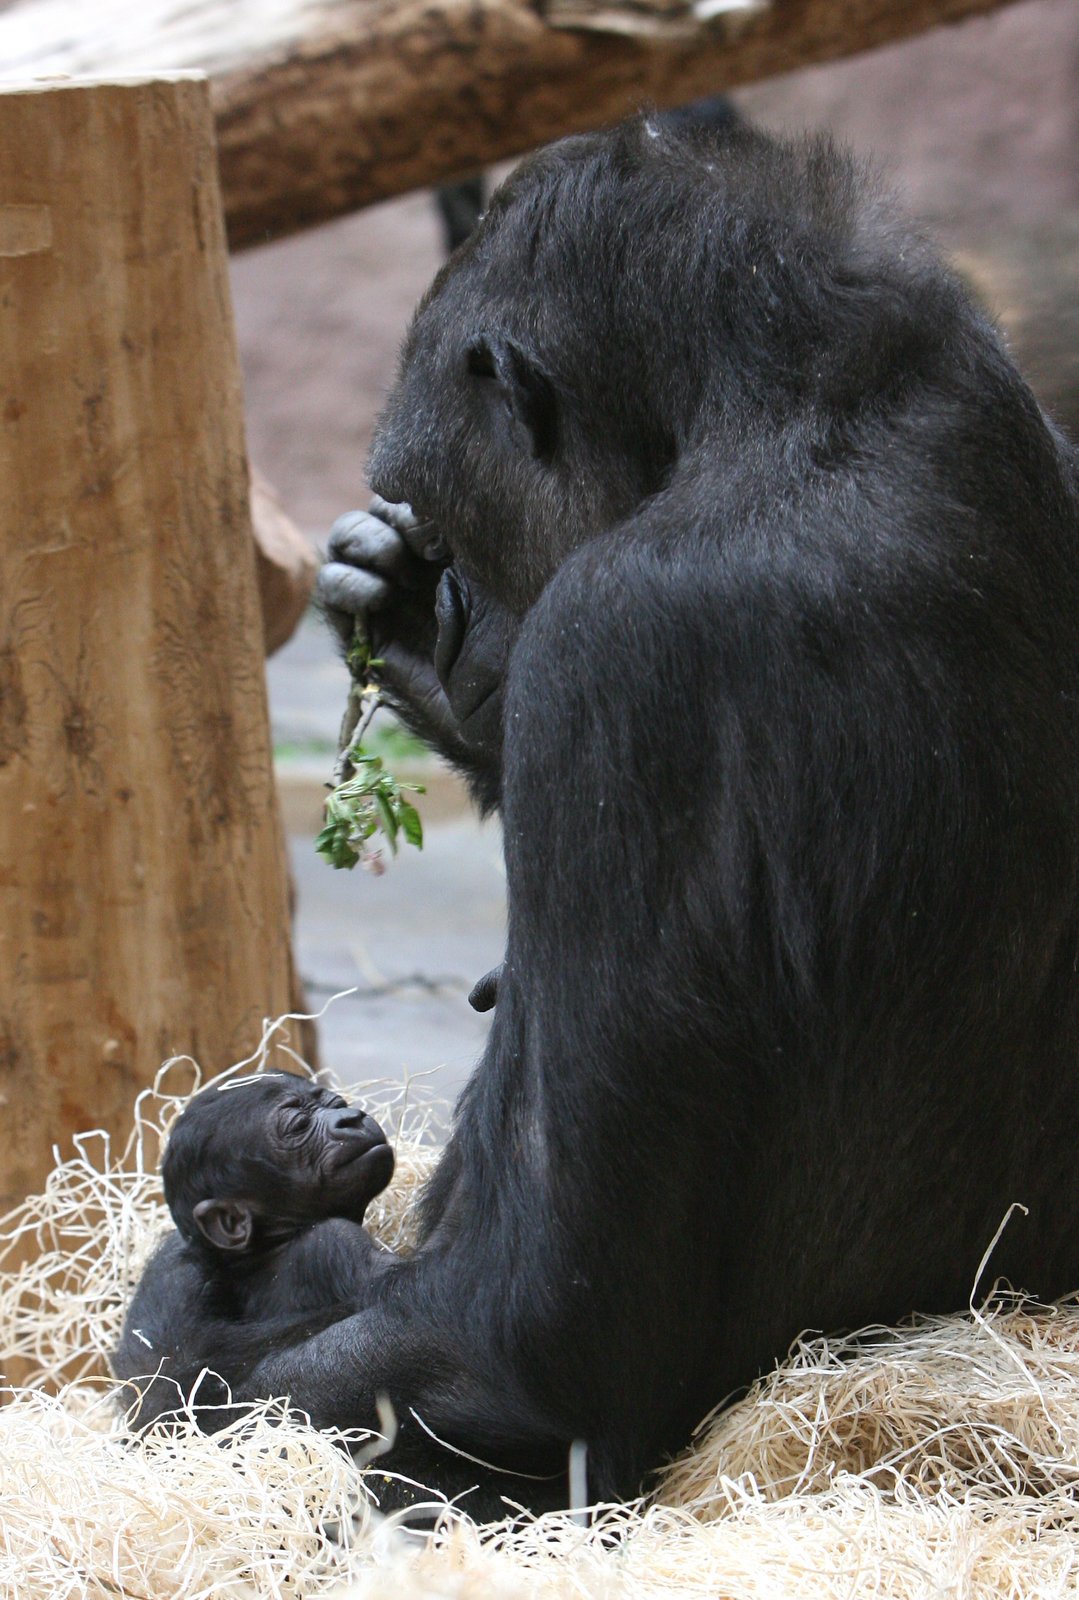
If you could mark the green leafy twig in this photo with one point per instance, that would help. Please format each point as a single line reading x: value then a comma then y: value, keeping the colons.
x: 364, y: 798
x: 369, y: 802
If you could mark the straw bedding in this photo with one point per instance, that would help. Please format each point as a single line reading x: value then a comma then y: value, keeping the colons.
x: 938, y: 1460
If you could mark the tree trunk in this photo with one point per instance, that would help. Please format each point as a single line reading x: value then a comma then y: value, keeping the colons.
x: 143, y: 894
x: 327, y: 105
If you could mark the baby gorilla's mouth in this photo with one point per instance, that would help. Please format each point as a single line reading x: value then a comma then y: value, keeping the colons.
x: 357, y: 1162
x: 364, y: 1160
x: 360, y: 1144
x: 369, y: 1170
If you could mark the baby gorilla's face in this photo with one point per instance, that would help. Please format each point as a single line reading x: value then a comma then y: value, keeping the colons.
x: 331, y: 1158
x: 253, y: 1162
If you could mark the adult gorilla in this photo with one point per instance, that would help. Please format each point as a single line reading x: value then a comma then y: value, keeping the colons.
x: 759, y: 627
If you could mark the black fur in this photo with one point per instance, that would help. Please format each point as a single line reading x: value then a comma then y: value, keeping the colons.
x: 761, y: 631
x: 267, y: 1180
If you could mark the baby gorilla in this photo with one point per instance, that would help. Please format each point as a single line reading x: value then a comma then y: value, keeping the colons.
x: 267, y: 1179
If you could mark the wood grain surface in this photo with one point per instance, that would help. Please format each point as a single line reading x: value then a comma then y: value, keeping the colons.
x: 143, y: 893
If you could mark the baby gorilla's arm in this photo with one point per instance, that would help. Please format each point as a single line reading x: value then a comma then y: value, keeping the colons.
x: 331, y: 1263
x: 188, y: 1309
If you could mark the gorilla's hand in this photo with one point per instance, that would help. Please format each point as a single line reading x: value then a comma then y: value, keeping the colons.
x: 440, y: 641
x: 382, y: 569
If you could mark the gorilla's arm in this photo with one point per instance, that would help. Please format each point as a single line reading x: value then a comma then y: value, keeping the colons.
x: 440, y: 643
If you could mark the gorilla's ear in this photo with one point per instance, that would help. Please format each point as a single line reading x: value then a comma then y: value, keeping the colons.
x: 526, y: 393
x: 226, y: 1224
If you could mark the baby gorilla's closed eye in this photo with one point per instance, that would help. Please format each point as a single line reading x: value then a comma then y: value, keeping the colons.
x: 295, y: 1127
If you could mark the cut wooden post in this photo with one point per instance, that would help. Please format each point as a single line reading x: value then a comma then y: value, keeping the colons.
x: 143, y: 893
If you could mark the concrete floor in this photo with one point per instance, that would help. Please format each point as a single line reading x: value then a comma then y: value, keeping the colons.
x: 410, y: 943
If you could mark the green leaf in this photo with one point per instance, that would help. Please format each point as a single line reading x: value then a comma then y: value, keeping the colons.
x: 325, y: 839
x: 411, y: 825
x: 370, y: 800
x: 368, y: 768
x: 332, y: 844
x: 389, y: 819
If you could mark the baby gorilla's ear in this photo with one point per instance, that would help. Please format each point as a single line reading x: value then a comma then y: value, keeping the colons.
x: 226, y: 1224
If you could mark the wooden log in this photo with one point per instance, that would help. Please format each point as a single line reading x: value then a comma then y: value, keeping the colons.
x: 285, y: 563
x: 327, y: 105
x: 143, y: 896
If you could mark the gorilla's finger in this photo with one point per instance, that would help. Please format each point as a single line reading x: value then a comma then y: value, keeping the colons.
x: 395, y: 512
x: 421, y: 537
x: 426, y: 542
x: 362, y: 540
x: 351, y: 589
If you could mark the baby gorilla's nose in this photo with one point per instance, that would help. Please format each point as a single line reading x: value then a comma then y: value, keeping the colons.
x: 353, y: 1123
